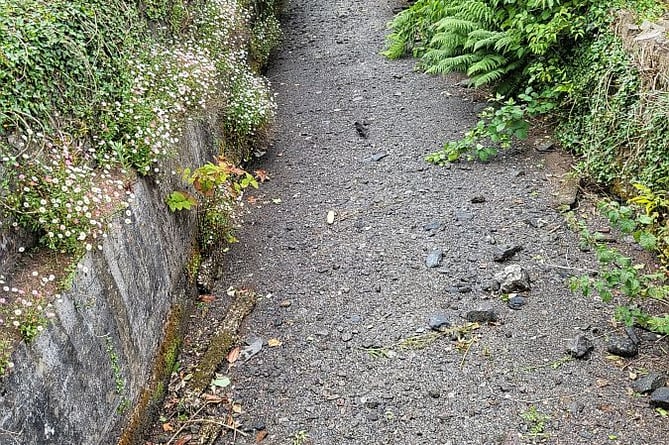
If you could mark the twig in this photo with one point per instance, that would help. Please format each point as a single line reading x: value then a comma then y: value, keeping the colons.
x: 216, y: 422
x: 464, y: 356
x: 579, y: 269
x: 12, y: 434
x: 183, y: 427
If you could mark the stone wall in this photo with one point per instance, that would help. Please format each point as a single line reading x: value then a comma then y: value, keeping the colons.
x: 78, y: 382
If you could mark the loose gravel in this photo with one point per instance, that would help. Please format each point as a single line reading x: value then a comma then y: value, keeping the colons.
x: 344, y: 293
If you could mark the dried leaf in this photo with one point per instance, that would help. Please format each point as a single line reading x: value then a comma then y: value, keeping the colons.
x: 207, y: 298
x: 234, y: 354
x: 273, y: 342
x: 167, y: 427
x: 261, y: 175
x: 183, y: 440
x: 601, y: 383
x: 236, y: 408
x: 252, y: 200
x: 260, y: 436
x: 213, y: 398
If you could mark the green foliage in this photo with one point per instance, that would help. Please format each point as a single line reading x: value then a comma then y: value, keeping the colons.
x: 32, y: 323
x: 497, y: 128
x: 94, y: 93
x: 620, y: 278
x: 180, y: 201
x: 501, y: 43
x: 219, y: 184
x: 535, y: 421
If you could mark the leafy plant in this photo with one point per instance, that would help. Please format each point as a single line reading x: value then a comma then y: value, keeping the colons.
x: 496, y: 129
x: 620, y: 277
x: 505, y: 43
x: 218, y: 184
x: 535, y: 421
x: 180, y: 201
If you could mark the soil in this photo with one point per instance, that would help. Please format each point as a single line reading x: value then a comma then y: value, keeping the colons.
x: 348, y: 356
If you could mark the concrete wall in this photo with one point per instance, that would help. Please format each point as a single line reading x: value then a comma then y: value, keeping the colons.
x: 63, y: 389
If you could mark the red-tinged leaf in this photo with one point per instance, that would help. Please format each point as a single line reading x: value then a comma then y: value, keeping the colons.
x: 260, y: 436
x: 183, y: 440
x: 213, y: 398
x: 261, y: 175
x: 234, y: 354
x: 207, y: 298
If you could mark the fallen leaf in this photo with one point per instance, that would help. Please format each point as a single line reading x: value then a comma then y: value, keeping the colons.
x: 261, y: 175
x: 183, y: 440
x: 260, y: 436
x: 277, y: 201
x: 167, y: 427
x: 252, y: 200
x: 207, y: 298
x: 221, y: 381
x: 213, y: 398
x: 236, y: 408
x: 234, y: 354
x: 273, y: 342
x: 331, y: 217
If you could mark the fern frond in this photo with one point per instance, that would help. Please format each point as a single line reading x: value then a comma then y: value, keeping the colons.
x: 487, y: 63
x: 453, y: 64
x: 454, y: 24
x: 482, y: 38
x: 476, y: 11
x: 448, y: 41
x: 487, y: 78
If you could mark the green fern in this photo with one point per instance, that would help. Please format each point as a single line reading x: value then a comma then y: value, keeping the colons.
x: 454, y: 64
x: 482, y: 39
x: 491, y: 62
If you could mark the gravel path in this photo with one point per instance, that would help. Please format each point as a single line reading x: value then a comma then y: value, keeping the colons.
x: 341, y: 297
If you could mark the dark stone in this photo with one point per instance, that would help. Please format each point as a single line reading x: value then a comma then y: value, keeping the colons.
x: 513, y: 279
x: 439, y: 322
x: 504, y: 253
x: 623, y: 347
x: 362, y: 129
x: 434, y: 393
x: 580, y: 347
x: 660, y: 398
x: 631, y: 333
x: 372, y: 404
x: 434, y: 258
x: 649, y: 383
x: 478, y: 199
x: 516, y: 302
x: 484, y: 315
